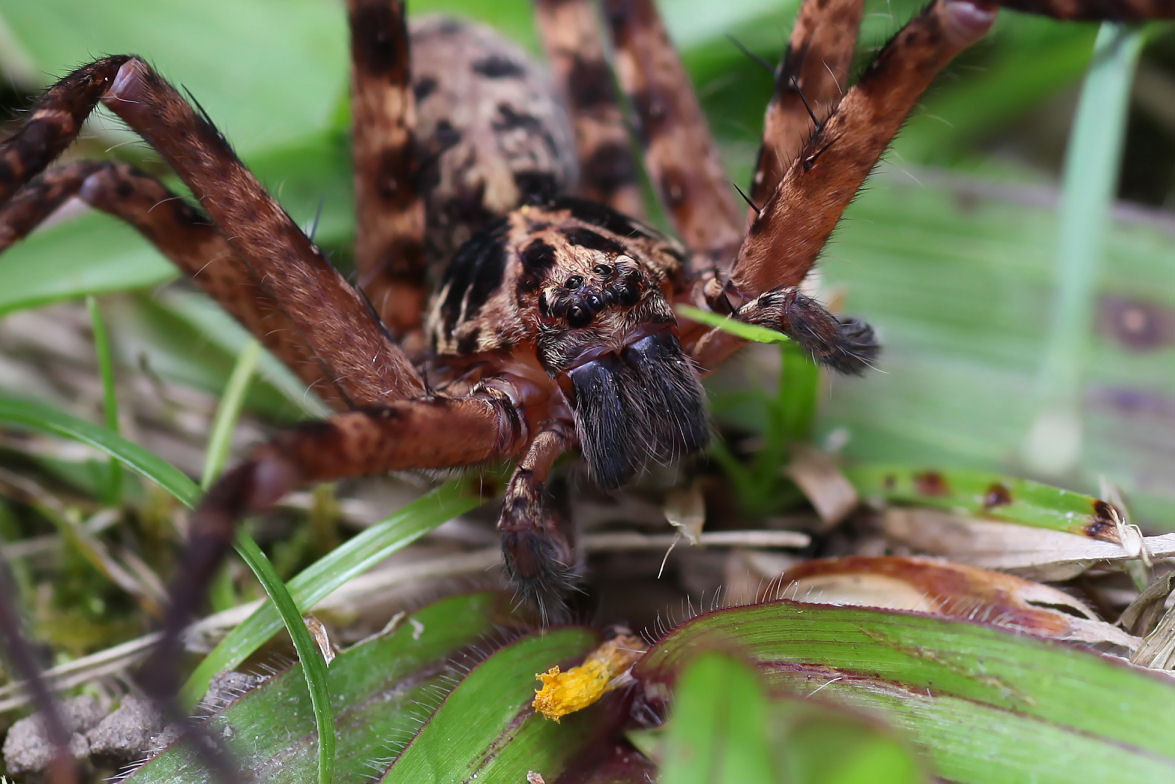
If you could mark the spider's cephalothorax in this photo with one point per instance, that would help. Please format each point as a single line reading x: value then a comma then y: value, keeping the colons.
x: 584, y: 293
x: 553, y: 329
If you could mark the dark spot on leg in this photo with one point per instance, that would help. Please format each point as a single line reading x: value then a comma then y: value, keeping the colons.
x: 653, y: 109
x: 610, y: 167
x: 590, y: 84
x: 124, y: 189
x: 674, y: 188
x: 377, y: 35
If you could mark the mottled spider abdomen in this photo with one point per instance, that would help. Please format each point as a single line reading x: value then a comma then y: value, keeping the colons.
x: 583, y: 292
x: 491, y: 133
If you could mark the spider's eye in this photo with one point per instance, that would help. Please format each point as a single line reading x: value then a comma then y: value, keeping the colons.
x: 602, y: 270
x: 573, y: 282
x: 595, y: 303
x: 579, y: 316
x: 628, y: 295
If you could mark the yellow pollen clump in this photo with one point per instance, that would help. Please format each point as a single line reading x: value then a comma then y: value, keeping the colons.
x: 603, y: 670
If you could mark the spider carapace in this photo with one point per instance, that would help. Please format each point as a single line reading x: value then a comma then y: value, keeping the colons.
x: 553, y: 325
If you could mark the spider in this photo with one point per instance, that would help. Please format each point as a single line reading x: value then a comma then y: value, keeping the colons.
x: 553, y: 327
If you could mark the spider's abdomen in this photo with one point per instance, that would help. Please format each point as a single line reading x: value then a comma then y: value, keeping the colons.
x: 491, y: 132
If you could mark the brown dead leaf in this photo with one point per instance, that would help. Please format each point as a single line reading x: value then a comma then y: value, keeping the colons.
x: 950, y: 589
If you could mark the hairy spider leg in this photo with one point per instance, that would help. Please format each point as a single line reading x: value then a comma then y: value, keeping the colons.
x: 390, y: 217
x: 809, y: 81
x: 537, y: 546
x: 608, y: 172
x: 184, y: 236
x: 787, y: 235
x: 406, y: 434
x: 361, y: 360
x: 1096, y: 10
x: 680, y: 153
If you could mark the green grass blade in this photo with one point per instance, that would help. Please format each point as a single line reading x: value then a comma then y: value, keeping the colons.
x: 1054, y: 442
x: 317, y: 581
x: 985, y: 494
x: 227, y: 412
x: 738, y: 328
x: 313, y: 664
x: 113, y: 494
x: 30, y: 414
x: 311, y: 660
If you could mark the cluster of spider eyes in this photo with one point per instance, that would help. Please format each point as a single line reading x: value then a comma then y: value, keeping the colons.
x: 593, y: 300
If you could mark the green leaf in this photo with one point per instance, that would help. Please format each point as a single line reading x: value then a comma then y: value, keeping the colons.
x: 486, y: 730
x: 981, y: 703
x: 985, y: 494
x: 313, y: 665
x: 725, y: 726
x: 380, y: 690
x: 719, y: 728
x: 29, y: 414
x: 1092, y: 161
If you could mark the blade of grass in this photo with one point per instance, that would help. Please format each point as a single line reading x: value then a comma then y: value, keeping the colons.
x: 985, y: 494
x: 16, y: 411
x: 313, y: 664
x: 1053, y: 444
x: 738, y: 328
x: 112, y: 494
x: 219, y: 443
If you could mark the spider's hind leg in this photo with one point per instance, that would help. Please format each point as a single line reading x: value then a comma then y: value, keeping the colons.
x: 608, y: 173
x: 390, y: 220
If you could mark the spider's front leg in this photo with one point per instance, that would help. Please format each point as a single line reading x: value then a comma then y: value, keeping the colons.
x: 410, y: 434
x: 789, y: 231
x: 184, y: 236
x: 537, y: 543
x: 357, y: 355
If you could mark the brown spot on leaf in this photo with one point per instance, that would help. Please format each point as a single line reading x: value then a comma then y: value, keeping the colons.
x: 997, y: 495
x: 1104, y: 524
x: 1135, y: 324
x: 931, y: 483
